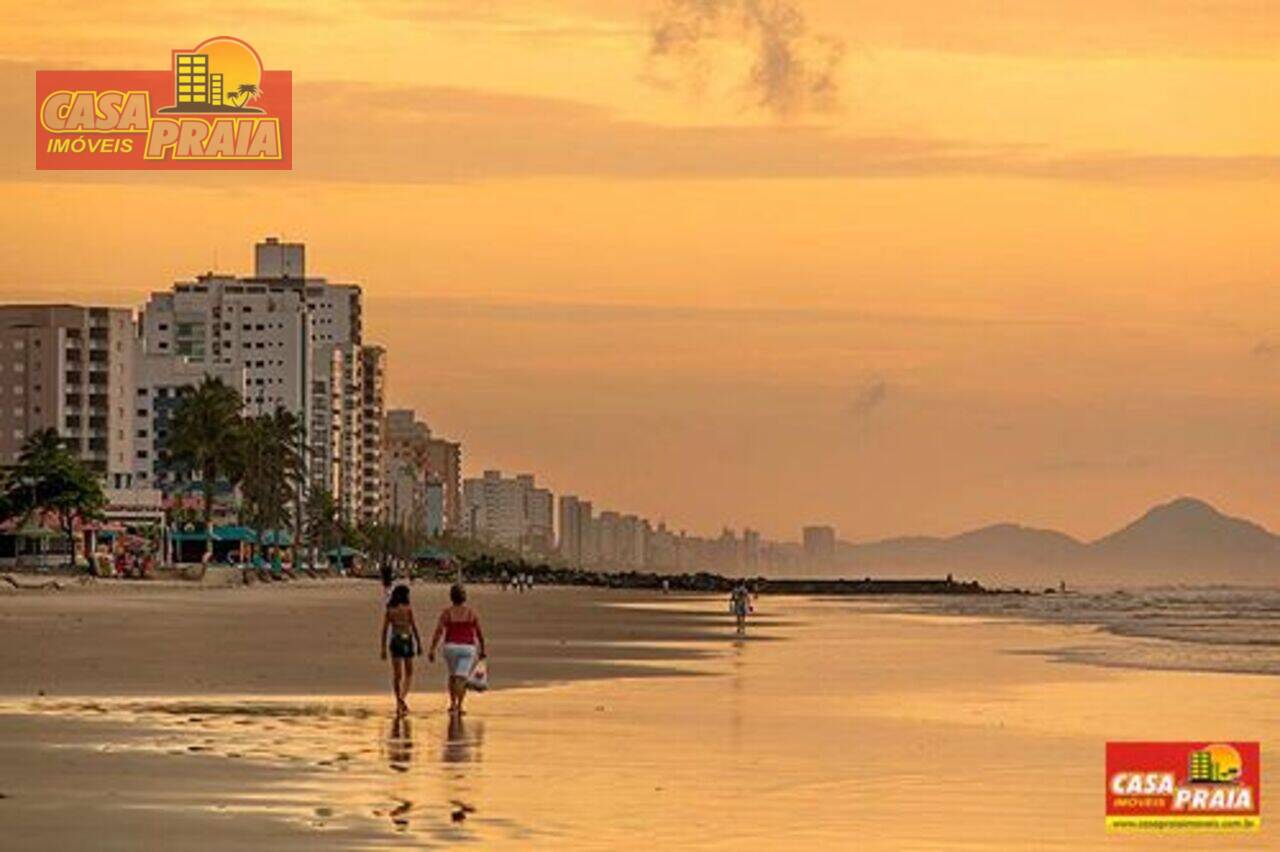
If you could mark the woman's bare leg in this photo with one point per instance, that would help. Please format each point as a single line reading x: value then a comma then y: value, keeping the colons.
x: 406, y: 681
x: 396, y: 679
x: 457, y: 689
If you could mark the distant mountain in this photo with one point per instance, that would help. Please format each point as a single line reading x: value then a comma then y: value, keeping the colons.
x: 1188, y: 539
x: 999, y: 544
x: 1184, y: 541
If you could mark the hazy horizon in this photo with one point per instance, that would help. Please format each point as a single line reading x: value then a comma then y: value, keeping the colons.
x: 952, y: 264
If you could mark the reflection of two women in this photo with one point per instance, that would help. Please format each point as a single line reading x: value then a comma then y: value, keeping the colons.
x: 461, y: 742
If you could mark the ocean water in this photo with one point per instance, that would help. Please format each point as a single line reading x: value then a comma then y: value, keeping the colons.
x: 1220, y: 629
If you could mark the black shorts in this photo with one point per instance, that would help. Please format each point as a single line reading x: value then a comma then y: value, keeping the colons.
x: 401, y: 647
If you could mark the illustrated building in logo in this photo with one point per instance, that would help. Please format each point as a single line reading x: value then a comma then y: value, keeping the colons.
x: 1214, y: 764
x: 193, y: 84
x: 220, y: 75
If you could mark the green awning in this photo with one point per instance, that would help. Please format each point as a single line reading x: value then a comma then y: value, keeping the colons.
x: 234, y: 533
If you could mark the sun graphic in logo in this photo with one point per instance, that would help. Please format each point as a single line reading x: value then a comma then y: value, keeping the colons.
x: 222, y: 74
x: 1215, y: 764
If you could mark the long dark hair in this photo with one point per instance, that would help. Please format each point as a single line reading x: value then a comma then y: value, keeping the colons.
x: 399, y: 597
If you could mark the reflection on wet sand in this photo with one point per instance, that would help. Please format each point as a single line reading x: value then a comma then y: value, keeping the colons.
x: 463, y: 739
x: 400, y: 743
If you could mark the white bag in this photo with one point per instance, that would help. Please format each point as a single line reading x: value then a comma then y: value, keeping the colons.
x: 478, y: 680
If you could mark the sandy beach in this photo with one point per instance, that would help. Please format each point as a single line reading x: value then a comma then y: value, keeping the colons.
x: 259, y: 717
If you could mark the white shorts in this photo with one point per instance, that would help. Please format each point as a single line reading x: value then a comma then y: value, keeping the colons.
x: 460, y: 659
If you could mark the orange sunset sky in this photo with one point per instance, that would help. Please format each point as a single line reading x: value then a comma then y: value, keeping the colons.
x: 894, y: 265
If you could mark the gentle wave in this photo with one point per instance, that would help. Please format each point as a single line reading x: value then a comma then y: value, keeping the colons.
x: 1193, y: 629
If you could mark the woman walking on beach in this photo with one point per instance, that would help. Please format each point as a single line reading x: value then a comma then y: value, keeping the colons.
x: 463, y: 644
x: 400, y: 638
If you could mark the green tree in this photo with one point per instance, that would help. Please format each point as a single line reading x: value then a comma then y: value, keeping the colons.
x: 323, y: 529
x: 205, y: 440
x: 49, y: 478
x: 270, y: 468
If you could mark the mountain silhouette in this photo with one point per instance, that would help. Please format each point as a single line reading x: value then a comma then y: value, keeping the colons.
x: 1188, y: 536
x: 1183, y: 541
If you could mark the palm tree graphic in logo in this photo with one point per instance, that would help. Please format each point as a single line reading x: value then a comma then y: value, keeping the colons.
x: 245, y: 92
x: 220, y: 75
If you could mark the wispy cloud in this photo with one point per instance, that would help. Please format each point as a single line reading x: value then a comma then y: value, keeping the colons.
x: 1267, y: 349
x: 868, y: 398
x: 792, y: 70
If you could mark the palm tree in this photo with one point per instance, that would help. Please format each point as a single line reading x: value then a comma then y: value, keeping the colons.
x: 323, y: 529
x: 204, y: 440
x: 271, y: 469
x: 246, y: 92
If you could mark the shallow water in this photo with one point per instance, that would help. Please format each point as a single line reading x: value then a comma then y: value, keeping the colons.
x: 857, y: 730
x: 1194, y: 629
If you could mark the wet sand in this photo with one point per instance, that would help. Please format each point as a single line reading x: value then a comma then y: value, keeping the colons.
x: 127, y: 638
x: 860, y: 728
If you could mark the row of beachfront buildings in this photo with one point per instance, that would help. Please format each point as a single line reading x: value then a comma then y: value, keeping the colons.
x: 109, y: 378
x: 517, y: 514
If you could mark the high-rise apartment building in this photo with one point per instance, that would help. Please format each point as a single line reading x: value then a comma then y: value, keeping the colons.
x: 69, y: 368
x: 160, y: 383
x: 512, y: 512
x: 444, y: 463
x: 819, y: 544
x: 433, y: 499
x: 373, y: 409
x: 569, y: 540
x: 751, y: 549
x: 405, y: 468
x: 299, y: 342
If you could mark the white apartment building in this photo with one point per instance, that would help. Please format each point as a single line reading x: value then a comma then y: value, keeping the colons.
x: 373, y: 384
x: 433, y: 499
x: 539, y: 516
x: 298, y: 340
x: 69, y: 368
x: 259, y: 327
x: 161, y: 381
x: 512, y: 512
x: 569, y: 540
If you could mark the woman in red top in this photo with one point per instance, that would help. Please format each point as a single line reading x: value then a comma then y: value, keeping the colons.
x: 463, y: 644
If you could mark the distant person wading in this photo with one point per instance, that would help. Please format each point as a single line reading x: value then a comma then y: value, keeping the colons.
x: 740, y: 605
